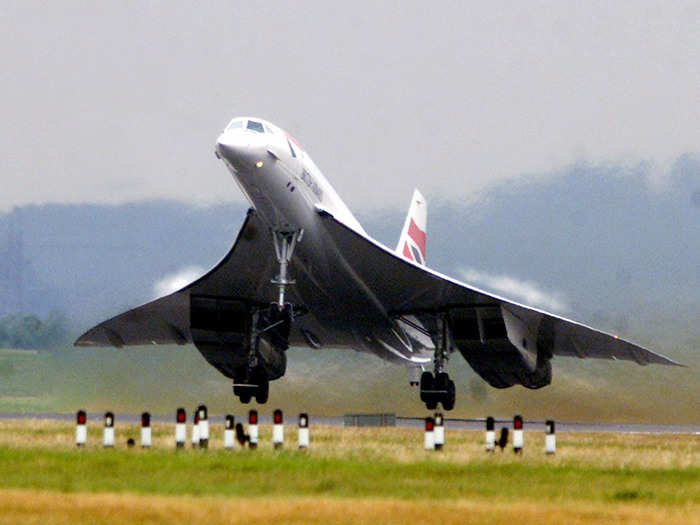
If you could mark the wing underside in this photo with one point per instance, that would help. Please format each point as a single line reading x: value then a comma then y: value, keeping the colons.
x: 477, y: 317
x: 241, y: 277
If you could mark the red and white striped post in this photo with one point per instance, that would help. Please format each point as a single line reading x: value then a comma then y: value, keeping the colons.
x: 145, y: 430
x: 253, y: 429
x: 429, y: 440
x: 518, y: 434
x: 439, y: 432
x: 277, y: 429
x: 180, y: 428
x: 550, y: 438
x: 195, y: 429
x: 80, y: 428
x: 228, y: 432
x: 108, y: 434
x: 490, y: 434
x: 303, y: 431
x: 203, y: 427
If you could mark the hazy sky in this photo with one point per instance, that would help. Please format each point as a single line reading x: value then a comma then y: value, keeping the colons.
x: 116, y: 101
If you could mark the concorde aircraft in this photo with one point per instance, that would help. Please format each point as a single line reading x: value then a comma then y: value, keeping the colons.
x: 303, y: 272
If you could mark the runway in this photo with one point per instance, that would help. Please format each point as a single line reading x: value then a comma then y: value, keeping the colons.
x: 401, y: 421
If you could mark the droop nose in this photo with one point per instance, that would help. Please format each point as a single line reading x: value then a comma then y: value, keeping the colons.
x: 232, y: 146
x: 240, y: 148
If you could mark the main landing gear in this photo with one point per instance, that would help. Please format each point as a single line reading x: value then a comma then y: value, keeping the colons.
x: 438, y: 387
x: 253, y: 383
x: 269, y: 329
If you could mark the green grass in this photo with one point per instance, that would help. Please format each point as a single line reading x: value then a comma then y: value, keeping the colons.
x: 349, y: 473
x: 266, y: 473
x: 346, y: 476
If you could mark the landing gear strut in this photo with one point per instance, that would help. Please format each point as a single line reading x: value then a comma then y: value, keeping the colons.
x: 285, y: 242
x: 438, y: 387
x: 273, y: 324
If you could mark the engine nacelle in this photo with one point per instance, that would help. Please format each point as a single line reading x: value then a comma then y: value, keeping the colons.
x: 221, y: 330
x: 502, y: 366
x: 501, y: 346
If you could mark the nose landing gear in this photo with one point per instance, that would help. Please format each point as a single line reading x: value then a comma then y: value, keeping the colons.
x: 285, y: 242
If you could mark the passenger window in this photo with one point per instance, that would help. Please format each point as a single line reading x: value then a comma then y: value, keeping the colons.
x: 256, y: 126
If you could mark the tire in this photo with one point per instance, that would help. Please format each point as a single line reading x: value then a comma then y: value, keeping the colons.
x: 431, y: 403
x: 448, y: 402
x: 245, y: 398
x: 442, y: 381
x: 262, y: 392
x: 426, y: 383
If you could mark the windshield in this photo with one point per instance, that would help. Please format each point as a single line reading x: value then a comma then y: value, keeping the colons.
x: 254, y: 125
x: 235, y: 123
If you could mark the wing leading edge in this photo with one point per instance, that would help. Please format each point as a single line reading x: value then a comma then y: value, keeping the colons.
x: 240, y: 275
x: 407, y: 288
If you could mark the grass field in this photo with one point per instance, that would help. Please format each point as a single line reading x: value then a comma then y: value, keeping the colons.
x: 377, y: 475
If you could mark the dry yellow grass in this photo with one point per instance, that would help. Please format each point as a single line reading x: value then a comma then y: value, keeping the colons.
x: 601, y: 449
x: 47, y: 507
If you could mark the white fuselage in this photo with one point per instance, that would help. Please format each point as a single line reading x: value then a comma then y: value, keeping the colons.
x: 287, y: 190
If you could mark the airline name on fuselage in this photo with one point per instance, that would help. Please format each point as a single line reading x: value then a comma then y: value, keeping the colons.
x: 308, y: 179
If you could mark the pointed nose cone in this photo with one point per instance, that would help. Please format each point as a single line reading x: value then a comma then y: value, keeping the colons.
x: 233, y: 147
x: 243, y: 150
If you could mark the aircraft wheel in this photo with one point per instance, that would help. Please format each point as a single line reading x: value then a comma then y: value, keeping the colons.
x: 426, y: 383
x: 448, y: 401
x: 442, y: 381
x: 431, y: 403
x: 245, y: 398
x: 263, y: 391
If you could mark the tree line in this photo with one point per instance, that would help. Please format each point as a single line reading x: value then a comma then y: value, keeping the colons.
x: 33, y: 333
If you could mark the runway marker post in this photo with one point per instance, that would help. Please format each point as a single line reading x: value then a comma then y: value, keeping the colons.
x: 180, y: 428
x: 228, y: 432
x: 439, y: 431
x: 277, y: 429
x: 80, y: 428
x: 550, y: 438
x: 108, y: 434
x: 203, y: 427
x: 429, y: 439
x: 195, y: 429
x: 253, y: 429
x: 145, y: 430
x: 518, y: 434
x: 303, y: 431
x: 490, y: 434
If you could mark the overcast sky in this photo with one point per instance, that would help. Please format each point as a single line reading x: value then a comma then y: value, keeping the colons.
x: 117, y: 101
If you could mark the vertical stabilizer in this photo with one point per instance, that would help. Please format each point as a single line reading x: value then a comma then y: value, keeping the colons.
x: 412, y: 241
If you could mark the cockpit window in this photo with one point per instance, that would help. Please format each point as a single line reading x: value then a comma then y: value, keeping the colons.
x: 256, y: 126
x: 235, y: 124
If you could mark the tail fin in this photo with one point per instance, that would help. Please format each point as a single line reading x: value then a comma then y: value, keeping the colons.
x: 412, y: 241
